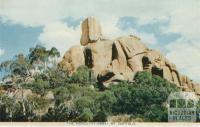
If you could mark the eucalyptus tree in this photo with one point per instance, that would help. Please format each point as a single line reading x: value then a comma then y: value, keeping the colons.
x: 20, y: 66
x: 17, y: 67
x: 5, y: 66
x: 54, y: 54
x: 39, y: 56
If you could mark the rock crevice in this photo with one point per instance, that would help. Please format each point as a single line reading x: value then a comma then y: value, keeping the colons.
x: 120, y: 59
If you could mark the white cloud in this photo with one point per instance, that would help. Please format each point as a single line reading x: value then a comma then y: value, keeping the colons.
x: 148, y: 38
x: 60, y: 36
x: 32, y: 12
x: 1, y: 51
x: 111, y: 30
x: 183, y: 17
x: 186, y: 55
x: 40, y: 12
x: 185, y: 52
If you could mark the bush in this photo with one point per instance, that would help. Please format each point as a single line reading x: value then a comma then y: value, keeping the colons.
x: 86, y: 115
x: 57, y: 77
x: 61, y: 95
x: 38, y: 86
x: 84, y: 102
x: 7, y: 107
x: 145, y: 97
x: 39, y: 103
x: 23, y: 111
x: 100, y: 116
x: 13, y: 110
x: 142, y: 100
x: 83, y: 75
x: 60, y: 113
x: 105, y: 102
x: 4, y: 115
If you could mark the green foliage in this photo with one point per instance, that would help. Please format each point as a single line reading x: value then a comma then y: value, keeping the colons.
x: 19, y: 66
x: 37, y: 54
x: 105, y: 102
x: 76, y: 96
x: 57, y: 77
x: 5, y: 103
x: 198, y: 111
x: 60, y: 113
x: 38, y: 86
x: 83, y: 75
x: 4, y: 115
x: 143, y: 99
x: 16, y: 110
x: 85, y: 116
x: 61, y: 94
x: 123, y: 95
x: 100, y: 116
x: 84, y: 102
x: 5, y: 65
x: 23, y: 111
x: 146, y: 97
x: 38, y: 102
x: 42, y: 57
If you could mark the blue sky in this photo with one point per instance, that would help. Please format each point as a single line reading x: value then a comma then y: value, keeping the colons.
x: 172, y: 26
x: 15, y: 39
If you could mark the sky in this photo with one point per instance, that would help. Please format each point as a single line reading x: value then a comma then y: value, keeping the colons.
x: 170, y: 26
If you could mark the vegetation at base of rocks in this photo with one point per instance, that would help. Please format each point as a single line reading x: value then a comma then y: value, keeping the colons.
x: 145, y: 98
x: 58, y: 96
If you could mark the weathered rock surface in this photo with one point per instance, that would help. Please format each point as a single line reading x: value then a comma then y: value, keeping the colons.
x: 120, y: 59
x: 98, y: 55
x: 72, y: 59
x: 91, y: 31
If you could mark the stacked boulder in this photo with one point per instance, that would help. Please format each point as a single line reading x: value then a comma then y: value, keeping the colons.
x: 120, y: 59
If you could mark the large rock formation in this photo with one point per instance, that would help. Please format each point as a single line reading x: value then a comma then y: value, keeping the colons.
x: 73, y: 59
x: 91, y: 31
x: 120, y: 59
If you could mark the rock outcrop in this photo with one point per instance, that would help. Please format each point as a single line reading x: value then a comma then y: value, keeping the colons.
x: 91, y: 31
x: 72, y: 59
x: 120, y: 59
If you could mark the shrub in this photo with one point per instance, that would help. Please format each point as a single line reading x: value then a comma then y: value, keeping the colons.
x: 145, y: 97
x: 105, y: 102
x: 86, y: 115
x: 83, y: 75
x: 100, y: 116
x: 57, y: 77
x: 60, y: 113
x: 38, y: 86
x: 84, y: 102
